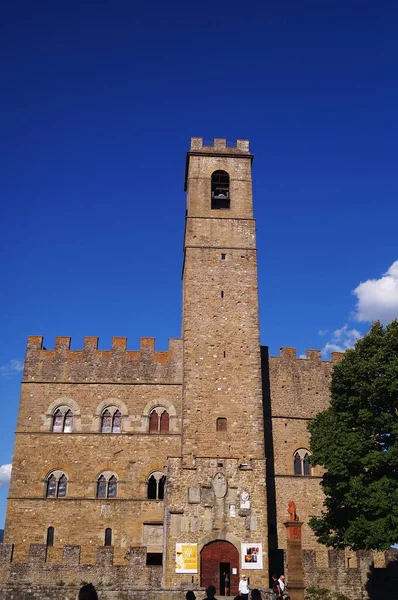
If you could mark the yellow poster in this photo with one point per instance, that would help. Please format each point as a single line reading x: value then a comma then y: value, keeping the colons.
x: 186, y: 558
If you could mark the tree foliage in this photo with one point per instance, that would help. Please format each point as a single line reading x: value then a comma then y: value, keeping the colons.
x: 356, y: 441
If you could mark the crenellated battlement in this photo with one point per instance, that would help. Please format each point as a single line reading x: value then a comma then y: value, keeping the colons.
x: 299, y: 385
x: 291, y: 353
x: 118, y: 364
x: 219, y: 145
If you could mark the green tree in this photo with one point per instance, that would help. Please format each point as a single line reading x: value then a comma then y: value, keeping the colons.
x: 356, y: 441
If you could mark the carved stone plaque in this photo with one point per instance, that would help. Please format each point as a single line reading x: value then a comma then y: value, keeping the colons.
x: 194, y: 495
x: 220, y: 485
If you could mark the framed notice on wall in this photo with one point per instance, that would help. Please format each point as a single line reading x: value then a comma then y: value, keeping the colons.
x: 186, y: 558
x: 252, y: 556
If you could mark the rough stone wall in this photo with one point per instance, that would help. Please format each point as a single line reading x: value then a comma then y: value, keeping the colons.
x: 372, y: 575
x: 91, y: 364
x: 299, y: 388
x: 87, y: 382
x: 196, y: 512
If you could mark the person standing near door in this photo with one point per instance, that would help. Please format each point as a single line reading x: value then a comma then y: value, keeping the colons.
x: 244, y: 588
x: 226, y: 584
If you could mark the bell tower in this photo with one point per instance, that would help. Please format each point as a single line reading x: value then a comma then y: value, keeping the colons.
x: 216, y: 494
x: 222, y: 394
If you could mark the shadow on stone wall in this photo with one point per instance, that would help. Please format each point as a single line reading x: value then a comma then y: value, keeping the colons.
x: 276, y: 562
x: 382, y: 583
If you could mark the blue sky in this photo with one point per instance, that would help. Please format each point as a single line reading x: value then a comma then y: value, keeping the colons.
x: 98, y: 102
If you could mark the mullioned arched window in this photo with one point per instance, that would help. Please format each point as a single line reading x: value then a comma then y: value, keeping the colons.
x: 159, y: 420
x: 56, y: 485
x: 111, y: 421
x: 301, y: 462
x: 62, y: 420
x: 107, y: 485
x: 156, y: 485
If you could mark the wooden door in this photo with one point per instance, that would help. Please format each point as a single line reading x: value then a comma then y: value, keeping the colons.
x: 211, y: 557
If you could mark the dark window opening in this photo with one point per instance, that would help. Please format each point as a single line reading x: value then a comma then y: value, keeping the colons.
x: 297, y: 464
x: 306, y: 465
x: 108, y: 537
x: 223, y: 256
x: 222, y: 294
x: 161, y: 488
x: 156, y: 486
x: 152, y: 488
x: 154, y: 559
x: 224, y: 354
x: 301, y: 463
x: 220, y: 199
x: 50, y: 536
x: 221, y: 424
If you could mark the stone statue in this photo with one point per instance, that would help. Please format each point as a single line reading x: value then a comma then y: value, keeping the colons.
x: 292, y: 511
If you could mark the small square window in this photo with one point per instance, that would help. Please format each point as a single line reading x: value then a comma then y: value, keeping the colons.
x: 223, y: 256
x: 154, y: 559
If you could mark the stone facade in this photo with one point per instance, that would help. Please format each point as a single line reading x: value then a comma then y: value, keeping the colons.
x: 123, y: 456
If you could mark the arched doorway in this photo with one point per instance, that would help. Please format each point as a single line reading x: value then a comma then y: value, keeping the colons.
x: 218, y: 559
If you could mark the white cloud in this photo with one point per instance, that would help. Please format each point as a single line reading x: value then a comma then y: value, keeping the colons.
x: 5, y: 474
x: 11, y: 368
x: 378, y: 298
x: 341, y: 340
x: 323, y: 331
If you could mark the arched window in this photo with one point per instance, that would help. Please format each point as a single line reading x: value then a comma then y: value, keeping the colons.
x: 107, y: 485
x: 111, y: 421
x: 306, y: 465
x: 50, y: 536
x: 62, y: 486
x: 164, y: 422
x: 106, y: 426
x: 108, y: 537
x: 56, y: 485
x: 156, y: 486
x: 221, y: 424
x: 58, y: 421
x: 301, y: 462
x: 297, y: 464
x: 117, y: 422
x: 159, y: 420
x: 62, y: 420
x: 153, y: 422
x: 68, y: 422
x: 220, y: 198
x: 51, y: 487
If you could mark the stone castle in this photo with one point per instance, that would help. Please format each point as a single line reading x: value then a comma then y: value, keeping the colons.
x: 144, y: 470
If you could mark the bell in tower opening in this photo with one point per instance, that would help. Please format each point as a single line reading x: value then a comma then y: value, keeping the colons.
x: 220, y: 190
